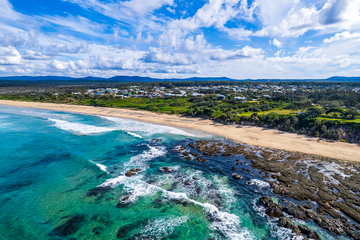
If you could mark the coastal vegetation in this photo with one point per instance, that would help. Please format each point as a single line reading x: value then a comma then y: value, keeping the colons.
x: 324, y: 110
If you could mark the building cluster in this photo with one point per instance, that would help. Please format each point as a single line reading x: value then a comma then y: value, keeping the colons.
x: 260, y: 91
x: 134, y: 91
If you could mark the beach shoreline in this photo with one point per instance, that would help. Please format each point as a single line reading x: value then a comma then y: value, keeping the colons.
x: 257, y: 136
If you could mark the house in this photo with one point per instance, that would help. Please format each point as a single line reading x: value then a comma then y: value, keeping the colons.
x: 243, y: 99
x: 220, y: 97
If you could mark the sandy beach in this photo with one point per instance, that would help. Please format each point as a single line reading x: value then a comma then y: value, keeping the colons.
x: 258, y: 136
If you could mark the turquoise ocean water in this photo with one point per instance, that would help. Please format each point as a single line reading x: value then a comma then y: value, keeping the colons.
x: 62, y: 177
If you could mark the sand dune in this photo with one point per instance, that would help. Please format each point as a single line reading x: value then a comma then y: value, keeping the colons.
x: 251, y: 135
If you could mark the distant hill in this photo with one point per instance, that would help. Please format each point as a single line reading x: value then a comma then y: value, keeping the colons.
x: 112, y: 79
x: 351, y: 79
x: 149, y: 79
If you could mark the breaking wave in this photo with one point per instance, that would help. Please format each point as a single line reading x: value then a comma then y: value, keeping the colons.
x: 147, y: 128
x: 100, y: 166
x: 79, y: 127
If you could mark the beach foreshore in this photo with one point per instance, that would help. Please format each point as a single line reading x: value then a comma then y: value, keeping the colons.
x: 258, y: 136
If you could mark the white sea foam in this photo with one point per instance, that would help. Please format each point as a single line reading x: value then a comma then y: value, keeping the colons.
x: 228, y: 224
x: 102, y: 167
x: 85, y: 129
x: 259, y: 183
x: 79, y: 127
x: 148, y: 128
x: 275, y: 230
x: 328, y: 169
x: 160, y: 228
x: 139, y: 161
x: 224, y: 189
x: 134, y: 135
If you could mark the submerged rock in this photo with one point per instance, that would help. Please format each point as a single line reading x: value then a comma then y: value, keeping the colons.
x: 167, y: 169
x: 122, y: 232
x: 70, y: 227
x: 98, y: 191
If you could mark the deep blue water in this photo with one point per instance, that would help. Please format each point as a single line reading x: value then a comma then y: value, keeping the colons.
x: 53, y: 162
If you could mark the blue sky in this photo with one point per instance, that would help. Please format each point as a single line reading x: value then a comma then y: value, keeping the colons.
x: 241, y: 39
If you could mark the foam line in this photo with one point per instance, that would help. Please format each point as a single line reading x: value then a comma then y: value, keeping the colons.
x: 134, y: 134
x: 150, y: 129
x: 79, y: 127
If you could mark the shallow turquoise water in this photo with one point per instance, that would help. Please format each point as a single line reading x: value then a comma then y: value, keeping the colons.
x: 52, y: 162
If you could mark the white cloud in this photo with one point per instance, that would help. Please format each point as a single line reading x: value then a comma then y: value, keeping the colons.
x: 77, y: 24
x: 238, y: 33
x: 342, y: 36
x: 141, y: 39
x: 171, y: 10
x: 277, y: 54
x: 58, y: 65
x: 276, y: 43
x: 216, y: 13
x: 141, y: 7
x: 32, y: 55
x: 244, y: 53
x: 155, y: 55
x: 7, y: 11
x: 9, y: 56
x: 334, y: 15
x: 54, y: 49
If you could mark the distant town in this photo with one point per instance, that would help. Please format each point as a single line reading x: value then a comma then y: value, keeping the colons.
x: 261, y: 91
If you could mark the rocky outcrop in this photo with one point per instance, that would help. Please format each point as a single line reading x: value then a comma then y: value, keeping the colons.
x: 272, y: 209
x: 167, y: 170
x: 236, y: 176
x: 132, y: 172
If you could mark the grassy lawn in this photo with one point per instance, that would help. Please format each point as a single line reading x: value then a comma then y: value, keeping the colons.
x: 278, y: 111
x: 156, y: 105
x: 356, y: 120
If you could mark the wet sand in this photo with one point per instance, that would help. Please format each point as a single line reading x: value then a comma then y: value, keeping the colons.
x: 258, y: 136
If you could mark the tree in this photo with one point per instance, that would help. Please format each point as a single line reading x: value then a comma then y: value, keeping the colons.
x: 218, y: 114
x: 352, y: 112
x: 265, y: 107
x: 335, y: 110
x: 316, y: 111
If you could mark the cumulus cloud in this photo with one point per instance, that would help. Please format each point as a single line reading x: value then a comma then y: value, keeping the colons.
x: 276, y: 43
x: 215, y: 13
x: 9, y: 56
x: 333, y: 15
x: 342, y: 36
x: 244, y: 53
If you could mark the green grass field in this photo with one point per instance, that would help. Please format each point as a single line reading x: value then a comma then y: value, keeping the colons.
x: 278, y: 111
x: 356, y: 120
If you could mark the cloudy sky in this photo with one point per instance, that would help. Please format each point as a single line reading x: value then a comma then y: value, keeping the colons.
x: 258, y: 39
